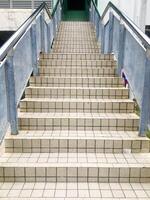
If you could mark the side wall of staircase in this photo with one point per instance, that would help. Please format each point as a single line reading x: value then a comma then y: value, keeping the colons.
x: 131, y: 47
x: 19, y: 59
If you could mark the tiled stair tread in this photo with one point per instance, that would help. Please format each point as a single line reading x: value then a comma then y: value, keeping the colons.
x: 100, y: 81
x: 76, y: 50
x: 44, y: 54
x: 72, y: 191
x: 80, y: 87
x: 61, y: 134
x: 76, y: 160
x: 76, y: 100
x: 76, y: 77
x: 75, y: 60
x: 76, y: 42
x: 85, y: 56
x: 79, y: 134
x: 73, y: 68
x: 80, y: 115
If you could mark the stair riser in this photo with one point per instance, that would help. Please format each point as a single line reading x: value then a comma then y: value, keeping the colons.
x: 65, y: 145
x: 76, y: 29
x: 112, y: 93
x: 77, y: 34
x: 104, y: 72
x: 78, y: 124
x: 76, y: 82
x: 74, y: 40
x: 74, y: 174
x: 78, y: 56
x: 82, y: 38
x: 75, y: 51
x: 94, y: 107
x: 74, y: 43
x: 77, y: 46
x: 77, y: 63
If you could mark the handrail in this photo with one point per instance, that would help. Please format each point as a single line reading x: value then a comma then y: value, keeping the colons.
x: 21, y: 30
x: 55, y: 8
x: 96, y: 8
x: 144, y: 38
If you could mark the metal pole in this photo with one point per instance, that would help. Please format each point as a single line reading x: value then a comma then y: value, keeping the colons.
x: 34, y: 50
x: 122, y: 34
x: 111, y: 22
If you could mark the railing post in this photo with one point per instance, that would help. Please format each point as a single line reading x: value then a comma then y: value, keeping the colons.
x: 111, y: 23
x: 57, y: 18
x: 54, y: 26
x: 94, y: 18
x: 48, y: 38
x: 92, y: 13
x: 97, y: 26
x: 102, y: 37
x: 145, y: 105
x: 42, y: 32
x: 11, y: 94
x: 60, y: 12
x: 34, y: 50
x: 122, y: 34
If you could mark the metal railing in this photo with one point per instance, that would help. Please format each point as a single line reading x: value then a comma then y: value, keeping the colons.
x: 131, y: 47
x: 18, y: 60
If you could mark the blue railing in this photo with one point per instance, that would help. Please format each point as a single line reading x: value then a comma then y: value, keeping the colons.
x: 18, y: 60
x: 131, y: 47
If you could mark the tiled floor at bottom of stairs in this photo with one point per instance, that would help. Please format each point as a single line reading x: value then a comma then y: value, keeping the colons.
x: 105, y: 191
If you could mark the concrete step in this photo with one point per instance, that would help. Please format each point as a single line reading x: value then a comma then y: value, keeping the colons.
x: 77, y: 142
x: 77, y: 63
x: 60, y: 81
x: 77, y: 105
x: 76, y: 92
x: 78, y: 121
x: 75, y: 56
x: 73, y: 167
x: 76, y: 71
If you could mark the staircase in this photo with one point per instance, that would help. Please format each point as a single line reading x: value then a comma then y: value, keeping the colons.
x: 78, y: 133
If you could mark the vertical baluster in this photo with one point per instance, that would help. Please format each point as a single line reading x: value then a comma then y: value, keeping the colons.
x: 42, y: 32
x: 122, y: 34
x: 34, y: 50
x: 102, y: 37
x: 111, y: 22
